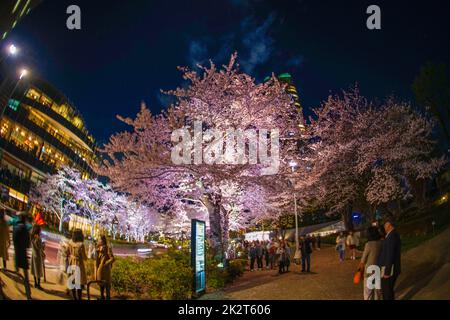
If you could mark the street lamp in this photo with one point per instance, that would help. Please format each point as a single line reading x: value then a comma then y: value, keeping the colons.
x: 12, y: 50
x: 293, y: 165
x: 23, y: 73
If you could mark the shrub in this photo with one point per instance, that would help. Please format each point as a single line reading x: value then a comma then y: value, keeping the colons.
x: 217, y: 277
x: 167, y: 277
x: 236, y: 268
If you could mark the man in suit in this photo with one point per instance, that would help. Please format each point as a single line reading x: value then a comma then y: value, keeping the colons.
x: 389, y: 260
x: 306, y: 250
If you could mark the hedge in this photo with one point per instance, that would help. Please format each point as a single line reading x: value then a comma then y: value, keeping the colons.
x: 166, y: 277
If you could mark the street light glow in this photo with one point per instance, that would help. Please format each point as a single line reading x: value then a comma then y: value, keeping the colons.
x: 23, y: 73
x: 12, y: 49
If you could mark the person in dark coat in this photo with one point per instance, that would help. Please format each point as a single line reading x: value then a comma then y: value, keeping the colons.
x: 252, y: 256
x: 21, y: 241
x: 306, y: 250
x: 389, y: 260
x: 259, y: 255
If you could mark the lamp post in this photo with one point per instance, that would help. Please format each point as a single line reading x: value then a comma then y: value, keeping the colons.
x: 23, y: 73
x: 293, y: 165
x: 114, y: 224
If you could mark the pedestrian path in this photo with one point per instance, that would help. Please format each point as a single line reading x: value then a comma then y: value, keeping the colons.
x: 14, y: 289
x: 329, y: 280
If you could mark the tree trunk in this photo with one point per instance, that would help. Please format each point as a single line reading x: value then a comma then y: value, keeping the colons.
x: 225, y: 230
x: 347, y: 217
x: 213, y: 204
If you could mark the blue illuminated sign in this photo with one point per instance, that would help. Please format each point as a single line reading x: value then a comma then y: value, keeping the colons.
x: 13, y: 104
x: 198, y: 254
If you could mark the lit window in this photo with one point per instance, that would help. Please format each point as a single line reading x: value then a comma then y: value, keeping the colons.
x: 33, y: 94
x: 46, y: 101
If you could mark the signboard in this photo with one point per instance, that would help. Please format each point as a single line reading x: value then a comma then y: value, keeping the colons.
x: 198, y: 254
x: 13, y: 104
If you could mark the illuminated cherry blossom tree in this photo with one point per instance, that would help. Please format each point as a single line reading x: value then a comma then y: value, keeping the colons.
x: 65, y: 193
x: 140, y: 162
x: 361, y: 152
x: 56, y: 194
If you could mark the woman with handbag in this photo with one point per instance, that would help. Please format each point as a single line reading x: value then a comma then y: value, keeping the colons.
x: 370, y: 255
x: 103, y: 264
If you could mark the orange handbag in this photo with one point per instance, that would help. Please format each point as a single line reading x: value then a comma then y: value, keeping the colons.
x: 357, y: 277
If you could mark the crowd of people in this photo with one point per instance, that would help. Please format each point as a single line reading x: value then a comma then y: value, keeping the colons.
x: 382, y: 250
x: 72, y: 256
x: 13, y: 178
x: 275, y: 254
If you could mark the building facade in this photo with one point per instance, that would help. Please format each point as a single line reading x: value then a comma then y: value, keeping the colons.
x: 40, y: 131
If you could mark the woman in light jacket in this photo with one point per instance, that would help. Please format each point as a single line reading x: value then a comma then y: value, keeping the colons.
x: 369, y: 258
x: 103, y: 264
x: 77, y: 257
x: 37, y: 256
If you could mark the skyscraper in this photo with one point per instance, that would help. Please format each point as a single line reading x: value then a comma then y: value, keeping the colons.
x: 291, y: 89
x: 11, y: 12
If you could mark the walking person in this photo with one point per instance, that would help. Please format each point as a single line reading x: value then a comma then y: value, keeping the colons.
x: 77, y: 258
x: 259, y: 255
x: 92, y: 251
x: 4, y: 239
x: 370, y: 257
x: 63, y: 260
x: 21, y: 241
x: 281, y: 254
x: 37, y: 256
x: 103, y: 264
x: 340, y: 246
x: 252, y: 256
x: 319, y: 241
x: 351, y: 243
x: 267, y: 254
x: 272, y: 254
x: 312, y: 241
x: 390, y: 260
x: 306, y: 250
x: 288, y: 256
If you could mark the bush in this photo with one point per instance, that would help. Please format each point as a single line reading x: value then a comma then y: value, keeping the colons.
x: 236, y: 268
x: 217, y: 278
x: 167, y: 277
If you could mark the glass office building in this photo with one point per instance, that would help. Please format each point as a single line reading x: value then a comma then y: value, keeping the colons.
x: 40, y: 131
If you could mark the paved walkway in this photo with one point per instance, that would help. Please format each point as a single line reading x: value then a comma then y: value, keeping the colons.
x: 329, y: 279
x: 14, y: 289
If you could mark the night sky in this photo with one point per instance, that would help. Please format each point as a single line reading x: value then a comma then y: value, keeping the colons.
x: 128, y: 50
